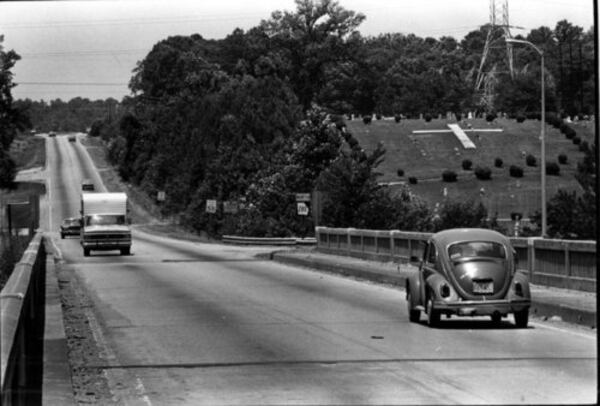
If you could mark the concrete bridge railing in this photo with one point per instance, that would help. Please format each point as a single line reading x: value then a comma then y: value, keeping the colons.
x: 558, y: 263
x: 22, y: 320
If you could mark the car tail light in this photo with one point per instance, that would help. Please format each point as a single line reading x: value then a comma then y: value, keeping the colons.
x: 445, y: 290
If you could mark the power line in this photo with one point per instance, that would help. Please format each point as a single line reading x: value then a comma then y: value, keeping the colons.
x: 133, y: 21
x: 71, y: 83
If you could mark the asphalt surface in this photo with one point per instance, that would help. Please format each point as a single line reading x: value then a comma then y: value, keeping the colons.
x: 180, y: 322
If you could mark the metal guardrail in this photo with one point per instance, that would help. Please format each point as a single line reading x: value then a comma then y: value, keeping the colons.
x: 233, y: 239
x: 559, y: 263
x: 22, y: 321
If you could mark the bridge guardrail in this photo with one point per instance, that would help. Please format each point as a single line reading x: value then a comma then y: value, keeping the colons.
x: 559, y: 263
x: 233, y: 239
x: 22, y: 320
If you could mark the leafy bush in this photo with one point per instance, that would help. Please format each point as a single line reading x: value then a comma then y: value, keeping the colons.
x: 483, y: 173
x: 378, y: 116
x: 576, y: 140
x: 520, y: 118
x: 413, y: 180
x: 570, y: 216
x: 427, y: 117
x: 515, y: 171
x: 570, y: 133
x: 563, y: 127
x: 553, y: 169
x: 449, y: 176
x: 8, y: 170
x: 562, y: 159
x: 467, y: 164
x: 554, y: 120
x: 515, y: 215
x: 367, y: 119
x: 397, y: 118
x: 498, y: 162
x: 455, y: 214
x: 530, y: 160
x: 489, y: 117
x: 353, y: 142
x: 400, y: 172
x: 584, y: 146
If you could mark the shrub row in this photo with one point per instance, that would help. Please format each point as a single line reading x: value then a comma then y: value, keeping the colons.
x: 515, y: 171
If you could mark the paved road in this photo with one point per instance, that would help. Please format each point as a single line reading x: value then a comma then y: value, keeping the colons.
x: 191, y: 323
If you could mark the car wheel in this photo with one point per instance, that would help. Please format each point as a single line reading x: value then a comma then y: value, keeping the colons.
x: 86, y: 252
x: 522, y: 318
x: 496, y: 318
x: 62, y: 236
x: 125, y: 251
x: 433, y: 315
x: 414, y: 315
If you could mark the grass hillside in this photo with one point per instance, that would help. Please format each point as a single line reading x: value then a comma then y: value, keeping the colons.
x: 426, y: 156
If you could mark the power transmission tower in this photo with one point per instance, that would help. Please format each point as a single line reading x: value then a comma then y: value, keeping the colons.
x: 498, y: 29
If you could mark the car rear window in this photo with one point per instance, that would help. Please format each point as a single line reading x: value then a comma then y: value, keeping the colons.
x: 472, y: 249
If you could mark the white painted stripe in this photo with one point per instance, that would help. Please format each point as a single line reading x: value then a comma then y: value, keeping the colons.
x: 592, y: 335
x: 462, y: 136
x: 431, y: 131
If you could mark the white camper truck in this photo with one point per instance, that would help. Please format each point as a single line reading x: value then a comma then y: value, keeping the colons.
x: 105, y: 223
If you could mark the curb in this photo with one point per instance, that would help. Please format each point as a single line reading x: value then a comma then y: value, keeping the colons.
x: 545, y: 307
x: 57, y: 388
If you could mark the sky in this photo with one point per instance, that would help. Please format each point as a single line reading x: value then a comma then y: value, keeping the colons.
x: 90, y: 48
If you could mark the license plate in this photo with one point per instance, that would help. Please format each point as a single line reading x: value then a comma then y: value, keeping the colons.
x: 483, y: 287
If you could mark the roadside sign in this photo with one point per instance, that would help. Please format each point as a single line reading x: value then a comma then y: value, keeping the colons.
x: 303, y: 197
x: 302, y: 209
x: 230, y: 206
x: 161, y: 196
x: 211, y: 206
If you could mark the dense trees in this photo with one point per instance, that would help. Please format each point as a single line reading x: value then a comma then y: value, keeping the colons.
x: 77, y: 114
x: 254, y: 118
x: 12, y: 119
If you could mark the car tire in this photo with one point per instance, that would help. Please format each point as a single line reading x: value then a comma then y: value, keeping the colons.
x: 496, y: 318
x: 86, y: 252
x: 62, y: 236
x: 125, y: 251
x: 433, y: 315
x: 414, y: 315
x: 522, y: 318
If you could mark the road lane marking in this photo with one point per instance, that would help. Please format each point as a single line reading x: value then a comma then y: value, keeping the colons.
x: 591, y: 335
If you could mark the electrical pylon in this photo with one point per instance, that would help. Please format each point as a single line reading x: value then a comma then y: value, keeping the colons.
x: 498, y: 30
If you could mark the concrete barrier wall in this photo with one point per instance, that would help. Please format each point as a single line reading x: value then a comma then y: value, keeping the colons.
x: 559, y: 263
x: 22, y: 320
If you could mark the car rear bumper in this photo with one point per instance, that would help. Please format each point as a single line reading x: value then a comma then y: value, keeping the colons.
x: 482, y: 308
x: 106, y: 245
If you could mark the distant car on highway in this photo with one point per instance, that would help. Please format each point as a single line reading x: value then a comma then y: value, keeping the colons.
x: 468, y: 272
x: 51, y: 134
x: 72, y: 138
x: 70, y: 226
x: 87, y: 185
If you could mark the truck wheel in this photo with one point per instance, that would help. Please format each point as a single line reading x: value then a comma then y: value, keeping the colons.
x: 125, y: 251
x: 86, y: 252
x: 62, y: 236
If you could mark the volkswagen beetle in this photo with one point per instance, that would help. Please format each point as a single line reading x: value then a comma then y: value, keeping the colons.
x: 468, y: 272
